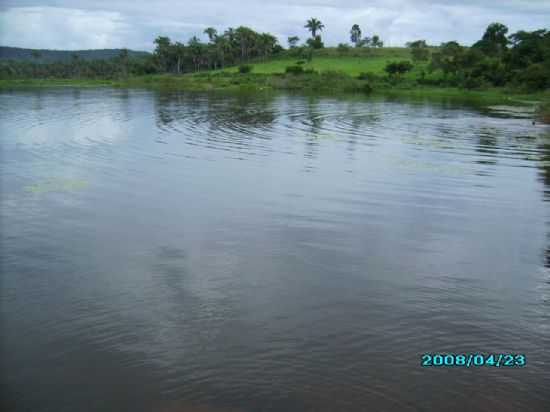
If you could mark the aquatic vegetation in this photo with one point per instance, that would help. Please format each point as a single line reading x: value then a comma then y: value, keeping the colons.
x: 56, y: 185
x: 437, y: 168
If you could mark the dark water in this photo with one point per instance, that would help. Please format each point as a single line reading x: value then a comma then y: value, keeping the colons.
x: 175, y: 252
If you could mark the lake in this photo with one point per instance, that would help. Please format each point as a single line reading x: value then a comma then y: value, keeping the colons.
x: 207, y: 252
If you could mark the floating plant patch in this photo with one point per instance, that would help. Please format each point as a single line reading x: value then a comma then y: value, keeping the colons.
x: 56, y: 185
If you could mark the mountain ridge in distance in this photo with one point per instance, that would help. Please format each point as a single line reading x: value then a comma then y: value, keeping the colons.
x: 50, y: 56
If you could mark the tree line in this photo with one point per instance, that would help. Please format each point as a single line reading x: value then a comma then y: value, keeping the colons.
x: 520, y: 59
x: 233, y: 46
x: 497, y: 59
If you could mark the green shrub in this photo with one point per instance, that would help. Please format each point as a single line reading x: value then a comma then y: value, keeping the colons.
x: 367, y: 88
x: 535, y: 77
x: 398, y: 68
x: 299, y: 62
x: 315, y: 42
x: 343, y: 47
x: 294, y: 69
x: 367, y: 76
x: 472, y: 83
x: 245, y: 68
x: 334, y: 75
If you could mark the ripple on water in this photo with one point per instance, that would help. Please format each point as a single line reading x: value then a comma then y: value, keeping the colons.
x: 238, y: 252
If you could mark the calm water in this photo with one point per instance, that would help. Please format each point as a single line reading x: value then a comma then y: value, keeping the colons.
x: 186, y: 252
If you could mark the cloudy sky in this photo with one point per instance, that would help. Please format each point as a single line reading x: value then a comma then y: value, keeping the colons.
x: 83, y: 24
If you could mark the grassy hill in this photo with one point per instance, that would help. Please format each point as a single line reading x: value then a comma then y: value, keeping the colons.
x: 49, y: 56
x: 352, y: 62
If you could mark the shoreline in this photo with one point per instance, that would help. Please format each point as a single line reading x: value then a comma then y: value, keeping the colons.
x: 318, y: 83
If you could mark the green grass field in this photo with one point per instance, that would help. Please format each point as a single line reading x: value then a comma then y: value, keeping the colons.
x: 353, y: 62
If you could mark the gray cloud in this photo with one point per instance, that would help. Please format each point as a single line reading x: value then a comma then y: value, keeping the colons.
x: 64, y: 24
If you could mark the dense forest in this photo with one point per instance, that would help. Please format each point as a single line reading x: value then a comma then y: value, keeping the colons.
x: 520, y: 59
x: 51, y: 56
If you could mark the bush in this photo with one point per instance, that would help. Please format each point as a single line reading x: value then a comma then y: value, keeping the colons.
x: 473, y: 83
x: 367, y: 88
x: 300, y: 62
x: 294, y: 69
x: 535, y: 77
x: 343, y: 47
x: 367, y: 76
x: 245, y: 68
x: 398, y: 68
x: 420, y: 54
x: 315, y: 42
x: 335, y: 74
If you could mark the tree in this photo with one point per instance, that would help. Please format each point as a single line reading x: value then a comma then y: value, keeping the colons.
x: 419, y: 50
x: 315, y: 42
x: 376, y: 42
x: 364, y: 42
x: 162, y: 52
x: 449, y: 58
x: 355, y: 34
x: 245, y: 38
x: 211, y: 32
x: 266, y: 44
x: 536, y: 77
x: 179, y: 53
x: 196, y: 50
x: 528, y: 48
x: 314, y: 25
x: 494, y: 40
x: 222, y: 48
x: 417, y: 43
x: 293, y: 41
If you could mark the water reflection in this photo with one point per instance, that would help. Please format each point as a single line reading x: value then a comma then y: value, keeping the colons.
x: 276, y: 252
x: 487, y: 147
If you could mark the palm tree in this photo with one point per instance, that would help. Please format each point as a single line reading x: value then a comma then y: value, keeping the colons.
x: 314, y: 25
x: 355, y: 34
x: 197, y: 51
x: 179, y: 52
x: 245, y: 37
x: 266, y: 44
x: 222, y: 47
x: 211, y: 32
x: 293, y: 41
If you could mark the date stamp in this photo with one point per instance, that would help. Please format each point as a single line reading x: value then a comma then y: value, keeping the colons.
x: 474, y: 360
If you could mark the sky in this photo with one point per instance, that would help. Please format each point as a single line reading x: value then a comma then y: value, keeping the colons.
x: 91, y: 24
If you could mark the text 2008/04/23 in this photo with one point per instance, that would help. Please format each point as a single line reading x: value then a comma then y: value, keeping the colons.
x: 468, y: 360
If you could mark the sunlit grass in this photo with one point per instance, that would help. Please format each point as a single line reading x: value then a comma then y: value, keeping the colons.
x: 352, y: 62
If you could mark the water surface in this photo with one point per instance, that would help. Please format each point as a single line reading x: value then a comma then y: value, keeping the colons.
x: 178, y: 252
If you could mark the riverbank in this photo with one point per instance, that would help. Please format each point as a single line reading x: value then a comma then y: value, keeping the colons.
x: 327, y: 82
x: 543, y: 112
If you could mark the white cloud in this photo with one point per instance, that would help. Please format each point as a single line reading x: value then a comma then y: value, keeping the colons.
x: 65, y: 24
x: 62, y: 28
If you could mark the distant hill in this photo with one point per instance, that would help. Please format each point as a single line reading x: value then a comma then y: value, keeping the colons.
x: 48, y: 56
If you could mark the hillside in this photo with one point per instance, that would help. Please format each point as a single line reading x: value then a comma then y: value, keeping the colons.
x: 352, y: 62
x: 48, y: 56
